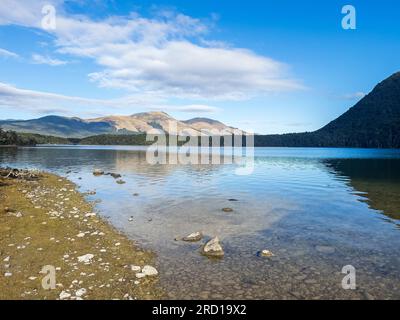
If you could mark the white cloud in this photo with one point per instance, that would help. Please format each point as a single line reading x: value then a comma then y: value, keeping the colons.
x: 39, y: 59
x: 355, y: 96
x: 7, y: 54
x: 167, y: 55
x: 45, y: 102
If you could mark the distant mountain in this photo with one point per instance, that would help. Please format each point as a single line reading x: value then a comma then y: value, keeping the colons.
x: 58, y: 126
x: 207, y: 125
x: 149, y: 122
x: 374, y: 122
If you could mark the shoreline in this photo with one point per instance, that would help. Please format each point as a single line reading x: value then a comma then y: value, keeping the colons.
x: 46, y: 224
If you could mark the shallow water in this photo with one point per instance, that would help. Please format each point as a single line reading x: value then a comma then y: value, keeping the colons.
x: 317, y: 210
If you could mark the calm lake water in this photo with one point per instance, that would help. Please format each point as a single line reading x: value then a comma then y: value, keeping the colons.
x: 317, y: 210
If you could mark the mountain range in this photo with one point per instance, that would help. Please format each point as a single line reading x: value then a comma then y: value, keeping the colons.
x: 140, y: 123
x: 374, y: 122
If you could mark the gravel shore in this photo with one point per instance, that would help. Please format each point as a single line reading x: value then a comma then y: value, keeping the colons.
x: 50, y: 233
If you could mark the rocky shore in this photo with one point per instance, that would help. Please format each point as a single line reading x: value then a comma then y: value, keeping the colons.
x: 54, y: 246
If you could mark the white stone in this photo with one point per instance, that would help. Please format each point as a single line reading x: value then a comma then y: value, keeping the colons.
x: 135, y: 268
x: 149, y: 271
x: 140, y: 275
x: 91, y: 214
x: 80, y: 235
x: 86, y: 258
x: 64, y: 295
x: 80, y: 292
x: 8, y: 274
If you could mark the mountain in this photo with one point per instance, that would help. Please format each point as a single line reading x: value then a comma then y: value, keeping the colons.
x: 207, y: 125
x: 58, y: 126
x: 150, y: 122
x: 374, y: 122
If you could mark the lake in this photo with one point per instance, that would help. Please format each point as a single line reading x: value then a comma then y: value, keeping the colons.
x: 317, y: 210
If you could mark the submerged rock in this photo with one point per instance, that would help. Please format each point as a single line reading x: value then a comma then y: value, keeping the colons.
x: 98, y: 172
x: 265, y: 254
x: 213, y: 248
x: 193, y: 237
x: 149, y: 271
x: 325, y: 249
x: 227, y: 210
x: 115, y: 175
x: 121, y: 181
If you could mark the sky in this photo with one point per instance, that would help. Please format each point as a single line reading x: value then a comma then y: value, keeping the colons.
x: 263, y: 66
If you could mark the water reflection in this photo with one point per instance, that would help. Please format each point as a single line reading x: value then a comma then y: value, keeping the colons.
x: 377, y: 179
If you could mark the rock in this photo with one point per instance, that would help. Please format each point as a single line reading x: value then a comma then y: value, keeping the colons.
x: 136, y: 194
x: 64, y: 295
x: 213, y: 248
x: 227, y: 210
x: 115, y: 175
x: 325, y: 249
x: 130, y: 219
x: 80, y: 235
x: 193, y: 237
x: 368, y: 296
x: 266, y: 254
x: 7, y: 259
x: 91, y: 214
x: 149, y: 271
x: 140, y: 275
x: 233, y: 200
x: 121, y: 181
x: 135, y: 268
x: 98, y: 172
x: 8, y: 274
x: 87, y: 258
x: 80, y: 292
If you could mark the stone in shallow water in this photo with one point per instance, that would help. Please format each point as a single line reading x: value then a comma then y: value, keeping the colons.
x: 98, y: 172
x: 149, y: 271
x: 227, y: 210
x: 193, y: 237
x: 213, y: 248
x: 266, y: 254
x: 325, y: 249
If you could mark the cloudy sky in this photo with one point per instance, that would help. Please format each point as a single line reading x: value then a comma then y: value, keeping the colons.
x: 265, y: 66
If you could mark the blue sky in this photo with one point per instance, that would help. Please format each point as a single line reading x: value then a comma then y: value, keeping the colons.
x: 266, y: 66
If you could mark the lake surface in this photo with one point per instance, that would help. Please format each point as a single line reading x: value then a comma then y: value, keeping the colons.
x: 317, y: 210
